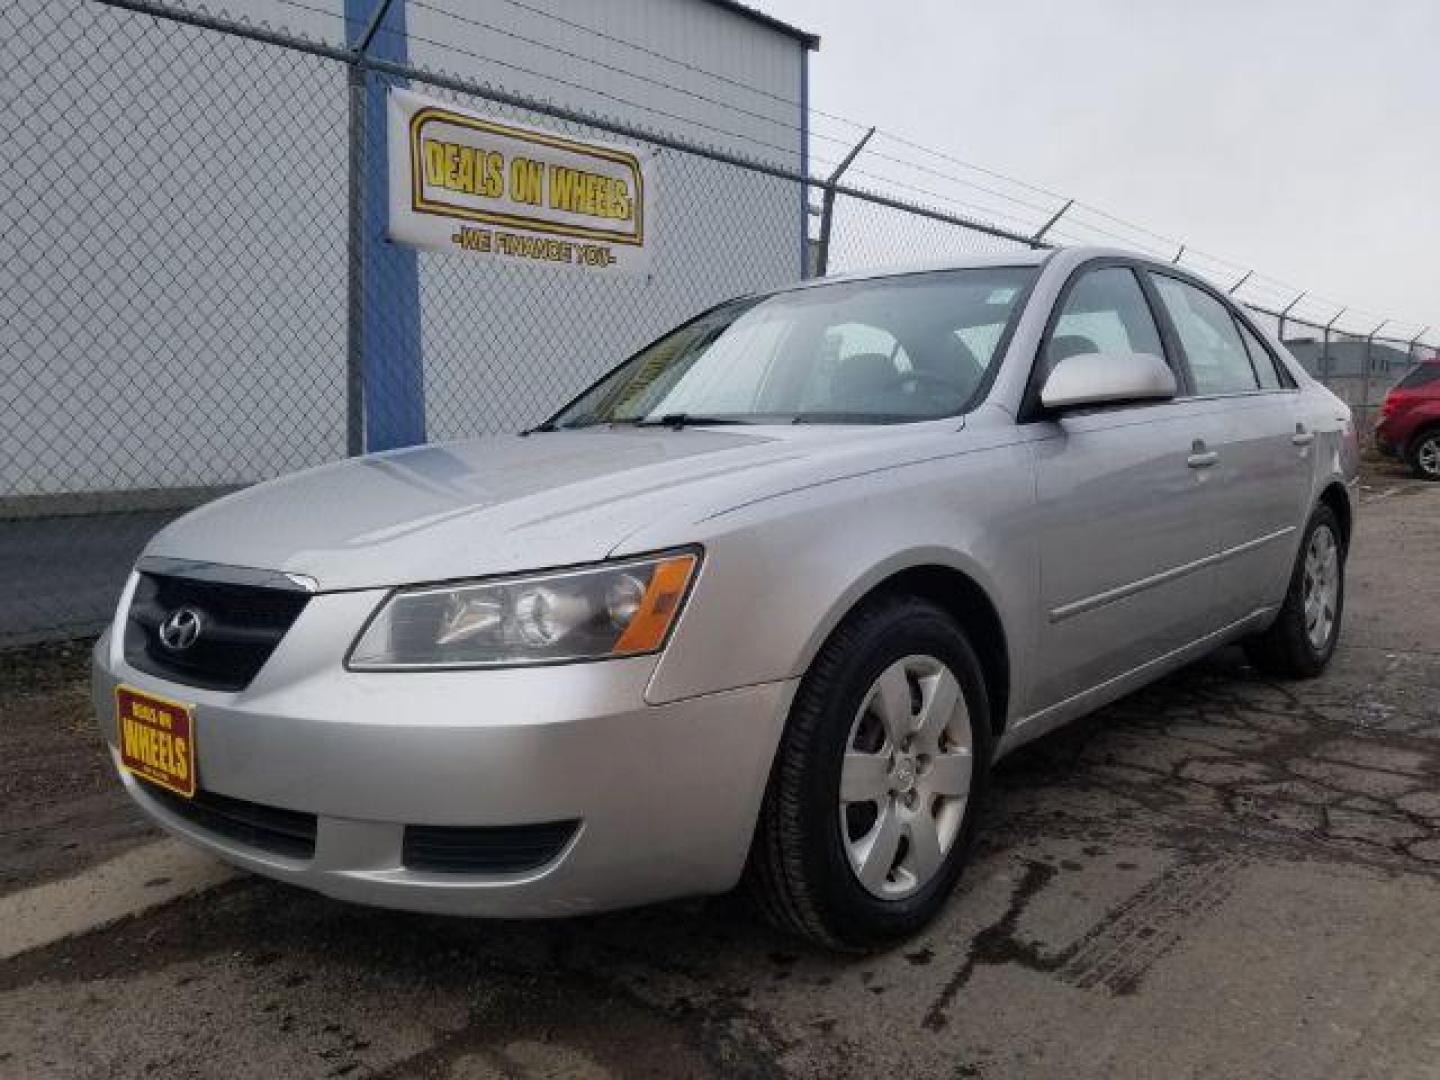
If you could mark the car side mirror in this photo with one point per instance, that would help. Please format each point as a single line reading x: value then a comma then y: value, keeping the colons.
x: 1111, y: 378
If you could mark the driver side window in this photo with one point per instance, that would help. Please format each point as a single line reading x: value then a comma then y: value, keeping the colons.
x: 1104, y: 311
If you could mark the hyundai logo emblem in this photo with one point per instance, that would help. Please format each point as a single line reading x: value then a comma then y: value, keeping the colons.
x: 181, y: 629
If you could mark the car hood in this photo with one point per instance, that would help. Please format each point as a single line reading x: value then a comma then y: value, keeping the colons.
x: 491, y: 505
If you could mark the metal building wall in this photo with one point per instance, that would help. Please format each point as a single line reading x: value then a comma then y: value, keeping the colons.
x: 216, y: 172
x: 172, y: 257
x: 655, y: 66
x: 655, y: 74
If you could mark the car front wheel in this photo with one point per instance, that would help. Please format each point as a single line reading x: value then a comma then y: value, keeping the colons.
x: 874, y: 793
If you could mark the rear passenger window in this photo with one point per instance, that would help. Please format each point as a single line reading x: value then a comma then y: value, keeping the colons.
x: 1219, y: 363
x: 1265, y: 365
x: 1105, y: 312
x: 1423, y: 375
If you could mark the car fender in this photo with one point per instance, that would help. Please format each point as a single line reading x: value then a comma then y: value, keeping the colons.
x: 1337, y: 456
x: 781, y: 573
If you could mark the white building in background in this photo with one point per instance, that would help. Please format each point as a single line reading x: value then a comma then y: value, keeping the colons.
x: 173, y: 304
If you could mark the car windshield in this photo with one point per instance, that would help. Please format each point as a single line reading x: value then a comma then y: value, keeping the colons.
x: 880, y: 350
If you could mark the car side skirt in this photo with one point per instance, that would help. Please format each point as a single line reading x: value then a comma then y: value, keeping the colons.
x: 1047, y: 720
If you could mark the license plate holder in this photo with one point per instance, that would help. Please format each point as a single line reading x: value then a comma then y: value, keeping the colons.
x: 156, y: 737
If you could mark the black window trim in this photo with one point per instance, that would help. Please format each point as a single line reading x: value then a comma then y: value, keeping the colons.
x: 1032, y: 411
x: 1282, y: 372
x: 1287, y: 382
x: 1249, y: 352
x: 1248, y: 335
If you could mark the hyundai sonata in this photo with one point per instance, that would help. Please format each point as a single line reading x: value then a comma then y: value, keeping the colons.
x: 764, y: 604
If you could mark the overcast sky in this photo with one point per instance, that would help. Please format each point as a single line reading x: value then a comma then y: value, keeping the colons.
x: 1300, y: 137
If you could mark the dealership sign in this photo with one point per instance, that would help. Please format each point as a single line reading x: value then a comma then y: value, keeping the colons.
x: 460, y: 181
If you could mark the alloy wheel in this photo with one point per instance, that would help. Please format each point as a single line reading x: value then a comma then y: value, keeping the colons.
x: 1428, y: 456
x: 906, y: 776
x: 1322, y: 587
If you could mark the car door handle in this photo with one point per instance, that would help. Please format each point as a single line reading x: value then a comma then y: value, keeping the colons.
x: 1301, y: 436
x: 1202, y: 459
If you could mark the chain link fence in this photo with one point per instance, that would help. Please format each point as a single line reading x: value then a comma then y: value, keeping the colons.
x: 190, y: 299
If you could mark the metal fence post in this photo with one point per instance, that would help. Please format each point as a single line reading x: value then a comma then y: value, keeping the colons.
x: 1035, y: 241
x: 355, y: 262
x: 1410, y: 349
x: 804, y: 161
x: 1365, y: 380
x: 827, y: 205
x: 1280, y: 326
x: 1325, y: 353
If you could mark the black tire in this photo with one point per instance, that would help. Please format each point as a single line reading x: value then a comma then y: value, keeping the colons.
x: 1285, y: 649
x: 1424, y: 455
x: 799, y: 875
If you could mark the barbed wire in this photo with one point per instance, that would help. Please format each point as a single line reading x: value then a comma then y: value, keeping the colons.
x: 1082, y: 221
x: 790, y: 126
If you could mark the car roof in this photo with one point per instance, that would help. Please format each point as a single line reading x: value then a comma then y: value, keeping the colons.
x: 1020, y: 257
x: 967, y: 262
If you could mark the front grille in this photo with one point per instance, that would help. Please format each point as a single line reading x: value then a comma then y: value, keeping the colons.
x: 239, y: 627
x: 268, y: 828
x: 487, y: 849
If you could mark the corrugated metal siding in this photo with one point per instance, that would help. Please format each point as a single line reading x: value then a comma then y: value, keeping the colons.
x: 718, y: 231
x: 172, y: 301
x: 623, y: 79
x: 186, y: 325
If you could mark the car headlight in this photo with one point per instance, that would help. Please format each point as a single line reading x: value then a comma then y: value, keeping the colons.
x: 592, y: 613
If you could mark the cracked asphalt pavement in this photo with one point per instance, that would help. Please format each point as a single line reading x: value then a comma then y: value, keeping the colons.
x: 1220, y: 876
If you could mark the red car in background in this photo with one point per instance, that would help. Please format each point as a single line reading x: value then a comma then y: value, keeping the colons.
x: 1409, y: 425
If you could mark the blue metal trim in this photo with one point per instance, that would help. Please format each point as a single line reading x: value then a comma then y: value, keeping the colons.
x: 392, y: 365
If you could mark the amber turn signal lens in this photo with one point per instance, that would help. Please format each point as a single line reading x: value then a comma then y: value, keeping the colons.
x: 658, y: 607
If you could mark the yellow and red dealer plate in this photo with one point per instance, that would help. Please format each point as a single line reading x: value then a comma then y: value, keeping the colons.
x: 157, y: 739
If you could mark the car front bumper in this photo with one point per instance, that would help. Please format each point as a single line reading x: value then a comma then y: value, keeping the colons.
x: 665, y: 796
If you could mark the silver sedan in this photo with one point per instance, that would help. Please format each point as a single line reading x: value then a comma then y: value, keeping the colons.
x: 764, y: 604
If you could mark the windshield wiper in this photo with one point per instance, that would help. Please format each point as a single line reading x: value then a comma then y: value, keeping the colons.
x: 670, y: 420
x: 680, y: 419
